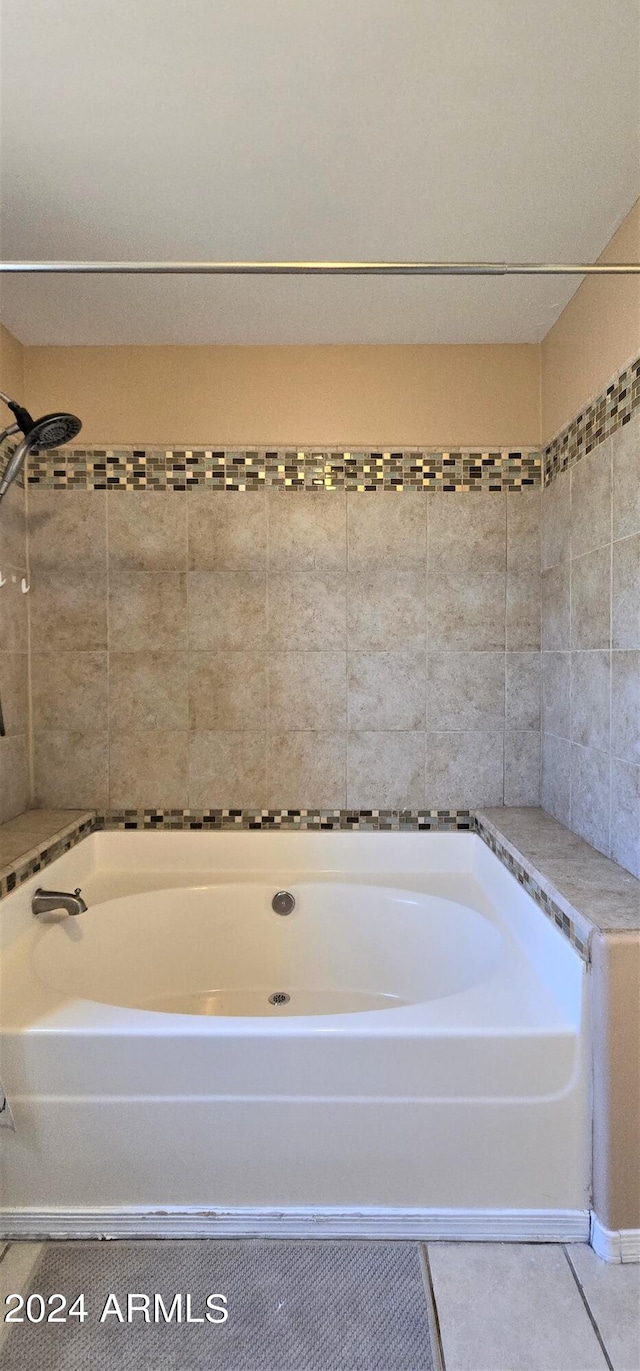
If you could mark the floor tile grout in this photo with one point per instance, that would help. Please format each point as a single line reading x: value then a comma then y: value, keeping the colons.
x: 432, y: 1309
x: 591, y: 1316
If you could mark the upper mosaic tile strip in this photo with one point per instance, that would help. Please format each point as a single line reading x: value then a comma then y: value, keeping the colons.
x: 600, y: 418
x: 237, y: 469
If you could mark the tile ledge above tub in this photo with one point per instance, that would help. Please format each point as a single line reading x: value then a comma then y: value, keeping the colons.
x: 34, y: 839
x: 575, y: 886
x: 573, y: 882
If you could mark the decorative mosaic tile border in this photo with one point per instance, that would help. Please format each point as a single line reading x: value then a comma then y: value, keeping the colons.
x: 309, y: 820
x: 236, y: 469
x: 607, y: 412
x: 37, y: 858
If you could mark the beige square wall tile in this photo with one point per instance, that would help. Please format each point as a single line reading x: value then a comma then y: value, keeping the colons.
x: 522, y: 768
x: 523, y: 688
x: 307, y: 531
x: 523, y: 611
x: 227, y: 691
x: 556, y: 693
x: 468, y: 532
x: 14, y: 691
x: 523, y: 531
x: 14, y: 613
x: 227, y: 769
x: 67, y: 528
x: 590, y: 600
x: 147, y: 611
x: 387, y: 690
x: 625, y: 706
x: 386, y: 610
x: 14, y: 776
x: 13, y: 529
x: 556, y: 777
x: 556, y: 608
x: 148, y: 770
x: 307, y: 770
x: 511, y: 1307
x: 590, y: 796
x: 71, y: 769
x: 466, y: 613
x: 466, y: 690
x: 227, y: 611
x: 385, y: 770
x: 625, y: 815
x: 625, y: 452
x: 591, y: 698
x: 386, y: 529
x: 227, y: 530
x: 464, y: 770
x: 591, y: 501
x: 307, y: 690
x: 307, y: 613
x: 147, y: 530
x: 148, y: 690
x: 555, y: 535
x: 69, y: 610
x: 626, y: 593
x: 69, y: 691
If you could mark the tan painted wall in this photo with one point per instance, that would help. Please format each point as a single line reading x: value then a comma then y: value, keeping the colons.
x: 361, y: 395
x: 616, y: 1082
x: 595, y: 335
x: 11, y: 370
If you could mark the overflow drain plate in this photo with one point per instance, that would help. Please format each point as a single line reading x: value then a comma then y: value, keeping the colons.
x: 279, y: 997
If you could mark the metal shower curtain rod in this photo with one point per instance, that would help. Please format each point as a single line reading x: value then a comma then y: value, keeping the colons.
x: 322, y: 268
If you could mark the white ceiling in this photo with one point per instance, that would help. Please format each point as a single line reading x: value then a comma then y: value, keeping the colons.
x: 442, y: 129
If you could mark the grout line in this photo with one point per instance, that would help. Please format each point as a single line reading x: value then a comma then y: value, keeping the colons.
x: 3, y: 1253
x: 267, y: 647
x: 609, y: 844
x: 30, y: 738
x: 432, y: 1310
x: 587, y: 1306
x: 108, y: 617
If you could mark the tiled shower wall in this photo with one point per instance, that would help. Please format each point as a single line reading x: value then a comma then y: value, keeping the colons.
x: 591, y: 637
x: 14, y: 661
x: 284, y: 648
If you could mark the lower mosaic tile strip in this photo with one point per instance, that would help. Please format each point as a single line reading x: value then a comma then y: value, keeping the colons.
x: 236, y: 469
x: 309, y: 820
x: 330, y: 820
x: 606, y: 413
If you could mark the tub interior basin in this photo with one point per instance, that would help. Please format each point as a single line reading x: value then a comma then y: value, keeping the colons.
x: 222, y: 950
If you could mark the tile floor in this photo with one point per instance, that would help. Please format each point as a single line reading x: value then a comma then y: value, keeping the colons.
x: 327, y: 1306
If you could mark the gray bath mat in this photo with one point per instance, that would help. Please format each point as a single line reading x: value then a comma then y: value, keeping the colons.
x: 293, y: 1306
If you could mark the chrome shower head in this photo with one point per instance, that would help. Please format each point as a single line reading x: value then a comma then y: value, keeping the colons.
x: 52, y: 430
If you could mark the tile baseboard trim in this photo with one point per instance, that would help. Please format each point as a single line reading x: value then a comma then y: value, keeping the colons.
x: 426, y: 1225
x: 118, y: 468
x: 614, y: 1245
x: 601, y: 416
x: 569, y: 922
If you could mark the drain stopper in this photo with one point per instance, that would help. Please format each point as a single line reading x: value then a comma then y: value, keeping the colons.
x: 279, y: 997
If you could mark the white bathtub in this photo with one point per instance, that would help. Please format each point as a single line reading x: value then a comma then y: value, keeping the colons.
x: 427, y: 1073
